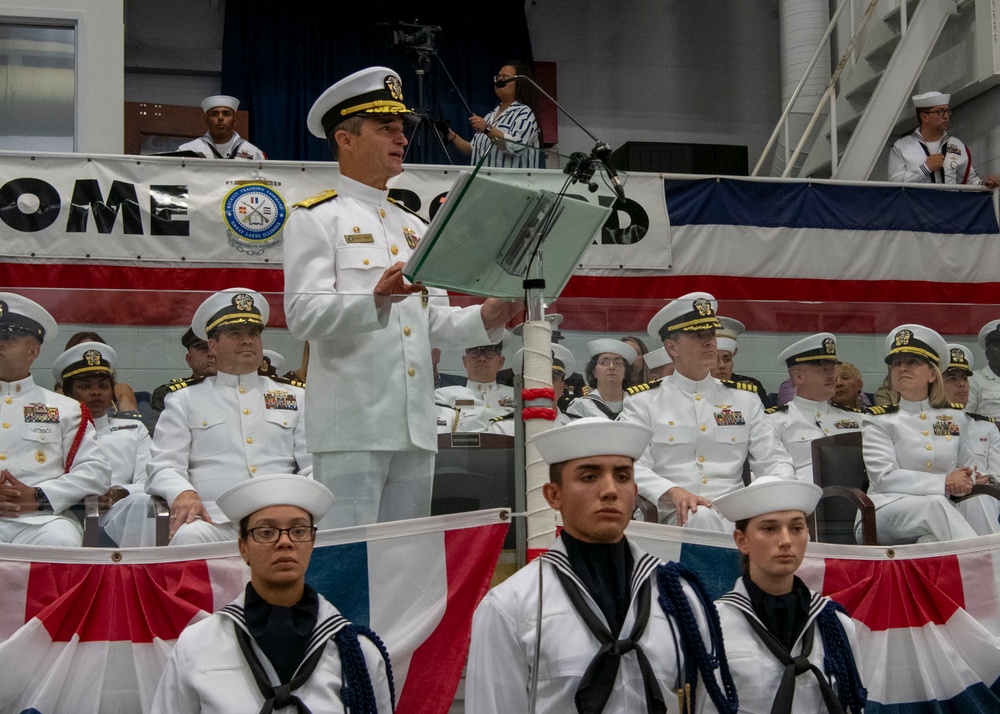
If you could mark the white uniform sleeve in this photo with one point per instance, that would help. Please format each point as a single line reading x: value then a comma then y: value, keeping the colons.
x: 497, y: 677
x: 884, y: 472
x: 451, y: 327
x: 139, y: 474
x: 768, y: 456
x: 174, y: 694
x: 170, y: 451
x: 89, y: 474
x: 651, y: 485
x: 908, y: 167
x: 300, y: 451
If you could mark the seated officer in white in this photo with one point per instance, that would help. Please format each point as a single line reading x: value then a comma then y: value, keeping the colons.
x: 272, y: 364
x: 481, y: 399
x: 49, y: 452
x: 984, y: 384
x: 280, y: 646
x: 86, y: 373
x: 220, y: 430
x: 563, y: 363
x: 606, y: 373
x: 812, y: 370
x: 222, y: 140
x: 789, y: 649
x: 582, y: 627
x: 704, y: 429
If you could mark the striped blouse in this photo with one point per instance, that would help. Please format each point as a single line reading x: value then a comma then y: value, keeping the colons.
x: 518, y: 124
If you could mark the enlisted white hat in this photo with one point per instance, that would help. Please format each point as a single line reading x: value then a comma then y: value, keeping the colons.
x: 768, y: 494
x: 368, y: 92
x: 21, y: 316
x: 960, y: 358
x: 918, y: 340
x: 273, y: 359
x: 615, y: 347
x: 991, y: 330
x: 657, y: 358
x: 821, y: 347
x: 592, y: 436
x: 930, y: 99
x: 232, y: 306
x: 250, y: 496
x: 691, y: 313
x: 219, y: 100
x: 84, y: 360
x: 562, y: 360
x: 554, y: 319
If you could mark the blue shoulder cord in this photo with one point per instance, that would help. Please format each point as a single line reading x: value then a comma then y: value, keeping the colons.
x: 357, y: 693
x: 838, y: 659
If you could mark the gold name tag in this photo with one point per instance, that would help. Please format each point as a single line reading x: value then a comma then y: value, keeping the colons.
x: 359, y: 238
x: 465, y: 402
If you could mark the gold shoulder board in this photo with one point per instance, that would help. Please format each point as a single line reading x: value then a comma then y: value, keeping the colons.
x: 316, y: 200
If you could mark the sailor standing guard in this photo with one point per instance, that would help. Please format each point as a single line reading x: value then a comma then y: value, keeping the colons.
x: 790, y: 649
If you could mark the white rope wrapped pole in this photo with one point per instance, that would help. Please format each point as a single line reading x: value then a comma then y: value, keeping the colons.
x: 537, y: 375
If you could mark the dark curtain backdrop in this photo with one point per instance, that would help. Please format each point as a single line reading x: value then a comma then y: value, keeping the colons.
x: 278, y: 58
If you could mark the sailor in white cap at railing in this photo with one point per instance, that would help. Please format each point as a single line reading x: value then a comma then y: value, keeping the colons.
x: 222, y: 141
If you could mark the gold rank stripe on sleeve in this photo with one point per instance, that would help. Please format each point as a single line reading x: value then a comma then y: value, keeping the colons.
x: 651, y: 384
x: 981, y: 417
x: 851, y: 409
x: 315, y: 200
x: 879, y: 411
x: 181, y: 384
x: 775, y: 410
x: 408, y: 210
x: 288, y: 380
x: 747, y: 386
x: 505, y: 417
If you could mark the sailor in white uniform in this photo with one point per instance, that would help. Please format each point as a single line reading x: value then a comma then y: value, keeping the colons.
x: 605, y: 374
x: 563, y: 363
x: 222, y: 141
x: 659, y: 363
x: 476, y: 405
x: 789, y: 649
x: 984, y: 384
x: 280, y: 646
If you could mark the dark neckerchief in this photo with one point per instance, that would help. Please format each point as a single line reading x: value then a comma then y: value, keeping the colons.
x: 784, y: 616
x: 606, y: 571
x: 282, y: 633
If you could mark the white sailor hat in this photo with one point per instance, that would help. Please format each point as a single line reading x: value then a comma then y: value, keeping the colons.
x: 918, y: 340
x: 248, y: 497
x: 768, y: 494
x: 84, y: 360
x: 563, y: 361
x: 220, y: 100
x: 821, y: 347
x: 930, y: 99
x: 657, y: 358
x: 554, y: 319
x: 726, y: 337
x: 232, y: 306
x: 21, y: 316
x: 592, y: 436
x: 691, y: 313
x: 273, y: 359
x: 615, y: 347
x: 368, y: 92
x: 990, y: 332
x: 960, y: 358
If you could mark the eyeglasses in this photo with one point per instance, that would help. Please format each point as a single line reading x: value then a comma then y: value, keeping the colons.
x: 502, y: 77
x: 483, y: 352
x: 608, y: 362
x: 942, y: 112
x: 296, y: 534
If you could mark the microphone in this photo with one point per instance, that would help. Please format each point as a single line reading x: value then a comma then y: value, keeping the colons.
x: 503, y: 82
x: 602, y: 152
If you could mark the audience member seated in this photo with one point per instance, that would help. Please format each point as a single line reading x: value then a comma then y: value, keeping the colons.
x: 218, y: 431
x: 50, y: 455
x: 848, y: 390
x: 726, y: 350
x: 563, y: 363
x: 202, y: 364
x: 124, y: 397
x: 659, y: 363
x: 984, y: 384
x: 638, y: 371
x: 474, y: 406
x: 606, y: 373
x: 812, y: 364
x: 87, y: 375
x: 273, y: 361
x: 917, y: 453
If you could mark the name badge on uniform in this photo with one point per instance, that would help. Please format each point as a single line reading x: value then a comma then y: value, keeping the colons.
x: 280, y: 399
x: 359, y: 238
x: 465, y: 402
x: 846, y: 424
x: 411, y: 237
x: 41, y: 414
x: 728, y: 417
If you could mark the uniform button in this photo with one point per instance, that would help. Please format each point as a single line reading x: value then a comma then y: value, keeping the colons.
x: 703, y: 427
x: 41, y: 438
x: 948, y: 438
x: 704, y: 480
x: 6, y: 425
x: 819, y: 414
x: 394, y: 250
x: 8, y: 400
x: 365, y: 261
x: 929, y: 464
x: 923, y: 416
x: 670, y: 423
x: 701, y: 459
x: 733, y: 439
x: 285, y: 422
x: 826, y: 431
x: 411, y: 371
x: 925, y: 432
x: 357, y: 229
x: 670, y: 438
x: 381, y: 212
x: 204, y: 423
x: 3, y: 457
x: 253, y: 469
x: 243, y: 390
x: 246, y: 411
x: 697, y: 397
x: 249, y: 439
x: 929, y: 447
x: 406, y: 331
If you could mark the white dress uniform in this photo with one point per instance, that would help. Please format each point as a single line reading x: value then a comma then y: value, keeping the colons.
x: 207, y: 671
x: 39, y: 430
x: 223, y: 430
x: 478, y: 404
x: 908, y: 452
x: 703, y: 432
x: 374, y: 427
x: 756, y: 672
x: 502, y: 654
x: 801, y: 421
x: 126, y: 443
x: 984, y: 393
x: 235, y: 148
x: 983, y: 512
x: 908, y: 156
x: 587, y: 406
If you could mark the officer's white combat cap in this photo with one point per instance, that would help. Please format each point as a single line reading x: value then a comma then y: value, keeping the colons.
x: 84, y: 360
x: 657, y: 358
x: 220, y: 100
x: 230, y: 307
x: 691, y: 312
x: 990, y: 331
x: 615, y: 347
x: 930, y: 99
x: 250, y: 496
x: 563, y: 361
x: 592, y: 436
x: 821, y: 347
x: 918, y: 340
x: 960, y: 358
x: 768, y: 494
x: 368, y: 92
x: 273, y: 359
x: 21, y: 316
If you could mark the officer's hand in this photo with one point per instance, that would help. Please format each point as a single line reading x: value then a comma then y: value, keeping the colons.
x: 113, y: 496
x: 683, y: 502
x: 16, y: 498
x: 187, y: 508
x: 496, y: 313
x: 392, y: 284
x: 935, y: 161
x: 981, y: 478
x: 991, y: 182
x: 959, y: 482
